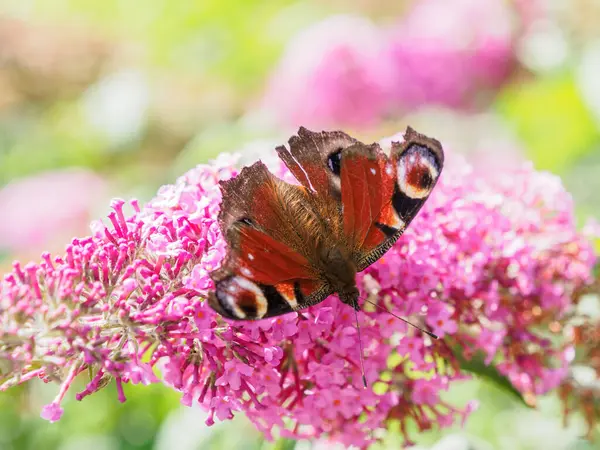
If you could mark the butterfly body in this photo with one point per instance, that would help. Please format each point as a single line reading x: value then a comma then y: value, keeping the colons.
x: 291, y: 246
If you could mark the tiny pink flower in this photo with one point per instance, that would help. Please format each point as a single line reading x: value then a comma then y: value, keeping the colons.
x: 52, y: 412
x: 203, y: 317
x: 412, y: 348
x: 233, y: 373
x: 222, y: 408
x: 273, y: 355
x: 141, y: 373
x: 284, y: 326
x: 489, y: 341
x: 271, y: 382
x: 439, y: 318
x: 426, y: 392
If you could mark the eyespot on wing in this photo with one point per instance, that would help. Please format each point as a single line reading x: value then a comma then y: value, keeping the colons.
x: 238, y: 298
x: 417, y: 171
x: 419, y: 161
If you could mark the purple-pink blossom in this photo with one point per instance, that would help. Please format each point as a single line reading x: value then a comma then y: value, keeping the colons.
x: 333, y: 73
x: 52, y: 412
x: 348, y: 71
x: 450, y: 52
x: 490, y: 263
x: 65, y: 202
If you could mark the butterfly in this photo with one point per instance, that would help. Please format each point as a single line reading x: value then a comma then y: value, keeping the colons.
x: 291, y: 246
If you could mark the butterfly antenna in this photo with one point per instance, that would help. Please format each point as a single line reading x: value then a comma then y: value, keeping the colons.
x: 428, y: 333
x: 362, y: 362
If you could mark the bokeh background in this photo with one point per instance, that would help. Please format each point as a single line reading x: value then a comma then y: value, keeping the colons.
x: 103, y: 98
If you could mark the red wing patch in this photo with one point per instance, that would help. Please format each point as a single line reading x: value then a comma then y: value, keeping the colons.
x: 264, y: 278
x: 387, y: 225
x: 268, y: 261
x: 367, y: 181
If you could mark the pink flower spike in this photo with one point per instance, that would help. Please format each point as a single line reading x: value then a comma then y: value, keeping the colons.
x: 65, y: 200
x: 344, y: 80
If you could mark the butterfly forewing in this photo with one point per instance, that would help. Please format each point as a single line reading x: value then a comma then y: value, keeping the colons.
x: 313, y: 158
x: 419, y: 161
x: 392, y: 190
x: 367, y: 184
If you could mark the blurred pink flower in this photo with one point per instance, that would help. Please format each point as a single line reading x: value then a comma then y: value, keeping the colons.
x: 52, y: 412
x: 448, y: 52
x: 333, y: 73
x: 44, y: 208
x: 346, y: 71
x: 491, y: 261
x: 428, y: 391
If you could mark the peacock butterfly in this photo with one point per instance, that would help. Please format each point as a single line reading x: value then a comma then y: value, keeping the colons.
x: 291, y: 246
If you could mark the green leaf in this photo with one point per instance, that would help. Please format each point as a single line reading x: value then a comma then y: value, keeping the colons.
x: 283, y: 444
x: 552, y: 119
x: 490, y: 373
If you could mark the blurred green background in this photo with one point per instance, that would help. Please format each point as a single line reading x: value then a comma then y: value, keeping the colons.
x: 103, y: 98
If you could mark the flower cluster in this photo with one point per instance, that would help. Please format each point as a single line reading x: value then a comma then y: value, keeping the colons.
x: 453, y: 58
x: 489, y: 265
x: 332, y: 73
x: 347, y: 71
x: 580, y: 389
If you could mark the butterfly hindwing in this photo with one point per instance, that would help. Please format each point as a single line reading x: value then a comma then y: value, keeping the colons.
x: 262, y: 276
x: 240, y: 298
